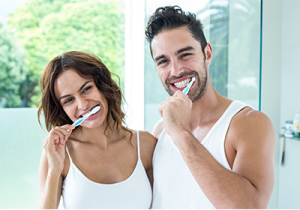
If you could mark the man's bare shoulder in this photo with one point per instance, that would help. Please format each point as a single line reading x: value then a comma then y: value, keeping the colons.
x: 249, y: 118
x: 253, y: 124
x: 158, y: 128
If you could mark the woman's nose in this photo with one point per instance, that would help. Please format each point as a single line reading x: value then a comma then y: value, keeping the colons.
x: 82, y: 103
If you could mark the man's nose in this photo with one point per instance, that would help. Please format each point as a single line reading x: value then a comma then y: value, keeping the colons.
x: 176, y: 69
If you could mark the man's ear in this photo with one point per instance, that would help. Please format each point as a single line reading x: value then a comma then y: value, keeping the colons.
x: 208, y: 54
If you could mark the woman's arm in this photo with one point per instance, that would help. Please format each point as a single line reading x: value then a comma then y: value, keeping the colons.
x: 52, y: 165
x: 148, y: 143
x: 50, y: 185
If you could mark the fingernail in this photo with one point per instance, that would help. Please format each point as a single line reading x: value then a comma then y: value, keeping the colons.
x: 68, y: 130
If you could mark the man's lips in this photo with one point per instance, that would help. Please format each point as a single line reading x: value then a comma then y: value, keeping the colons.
x: 179, y: 80
x: 181, y: 89
x: 181, y: 83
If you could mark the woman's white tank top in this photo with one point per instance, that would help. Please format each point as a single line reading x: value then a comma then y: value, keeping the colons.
x: 79, y: 192
x: 174, y: 185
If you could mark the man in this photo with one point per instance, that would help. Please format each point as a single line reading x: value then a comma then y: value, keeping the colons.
x: 212, y: 152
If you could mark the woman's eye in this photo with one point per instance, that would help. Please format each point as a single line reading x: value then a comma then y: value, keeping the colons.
x: 68, y: 100
x: 86, y: 89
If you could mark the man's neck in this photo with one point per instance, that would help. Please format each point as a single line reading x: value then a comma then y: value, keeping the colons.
x: 209, y: 107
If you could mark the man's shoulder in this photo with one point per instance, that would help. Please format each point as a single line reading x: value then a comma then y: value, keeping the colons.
x: 158, y: 128
x: 249, y: 116
x: 251, y: 123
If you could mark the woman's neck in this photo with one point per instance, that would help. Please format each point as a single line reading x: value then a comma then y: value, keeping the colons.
x: 102, y: 135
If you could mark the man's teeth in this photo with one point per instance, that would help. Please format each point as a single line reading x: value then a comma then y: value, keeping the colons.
x: 183, y: 83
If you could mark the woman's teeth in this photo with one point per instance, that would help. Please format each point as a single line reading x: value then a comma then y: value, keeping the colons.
x: 183, y: 83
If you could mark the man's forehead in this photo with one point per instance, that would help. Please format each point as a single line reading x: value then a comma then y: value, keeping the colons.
x: 172, y: 41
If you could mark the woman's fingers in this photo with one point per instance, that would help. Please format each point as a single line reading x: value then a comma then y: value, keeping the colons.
x: 58, y: 135
x: 63, y: 132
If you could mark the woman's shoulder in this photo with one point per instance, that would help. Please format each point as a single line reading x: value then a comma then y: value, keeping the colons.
x: 147, y: 141
x: 147, y: 146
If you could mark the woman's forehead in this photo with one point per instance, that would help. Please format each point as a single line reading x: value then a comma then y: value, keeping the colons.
x: 68, y: 82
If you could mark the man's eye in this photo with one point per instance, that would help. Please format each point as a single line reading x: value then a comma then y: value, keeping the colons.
x: 68, y: 100
x: 162, y: 62
x: 186, y: 54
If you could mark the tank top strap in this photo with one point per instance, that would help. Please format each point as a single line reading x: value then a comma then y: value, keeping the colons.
x: 138, y: 143
x: 69, y: 154
x: 234, y: 108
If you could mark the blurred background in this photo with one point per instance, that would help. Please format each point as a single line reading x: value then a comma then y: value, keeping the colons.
x: 255, y: 45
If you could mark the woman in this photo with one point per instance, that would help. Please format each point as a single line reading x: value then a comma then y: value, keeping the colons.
x: 101, y: 163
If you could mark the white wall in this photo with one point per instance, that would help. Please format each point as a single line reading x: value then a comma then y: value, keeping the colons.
x: 289, y: 182
x: 280, y: 70
x: 290, y: 54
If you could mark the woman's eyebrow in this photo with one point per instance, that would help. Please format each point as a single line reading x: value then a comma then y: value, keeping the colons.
x: 83, y: 86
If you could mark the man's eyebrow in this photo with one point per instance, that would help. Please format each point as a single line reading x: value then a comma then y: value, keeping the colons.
x: 177, y: 53
x: 185, y: 49
x: 82, y: 86
x: 159, y: 57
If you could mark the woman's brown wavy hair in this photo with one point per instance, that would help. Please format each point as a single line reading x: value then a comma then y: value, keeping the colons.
x: 87, y: 66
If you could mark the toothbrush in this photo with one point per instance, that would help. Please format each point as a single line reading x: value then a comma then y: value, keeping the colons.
x: 186, y: 90
x: 92, y: 111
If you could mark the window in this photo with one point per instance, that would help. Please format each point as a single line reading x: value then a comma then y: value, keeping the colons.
x: 32, y: 32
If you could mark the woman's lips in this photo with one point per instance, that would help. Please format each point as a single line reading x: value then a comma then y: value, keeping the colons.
x: 82, y: 115
x: 93, y: 115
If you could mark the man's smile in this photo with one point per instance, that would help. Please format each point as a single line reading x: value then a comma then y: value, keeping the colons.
x: 183, y: 83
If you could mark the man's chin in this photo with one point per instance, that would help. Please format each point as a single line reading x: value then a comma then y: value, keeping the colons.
x: 171, y: 92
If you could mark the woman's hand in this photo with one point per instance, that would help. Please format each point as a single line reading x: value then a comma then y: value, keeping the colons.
x: 54, y: 145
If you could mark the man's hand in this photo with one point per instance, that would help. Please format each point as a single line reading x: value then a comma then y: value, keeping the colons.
x: 176, y: 113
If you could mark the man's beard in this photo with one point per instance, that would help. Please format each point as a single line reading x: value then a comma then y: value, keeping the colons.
x: 202, y: 80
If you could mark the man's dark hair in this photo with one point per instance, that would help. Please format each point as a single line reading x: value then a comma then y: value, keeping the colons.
x: 171, y: 17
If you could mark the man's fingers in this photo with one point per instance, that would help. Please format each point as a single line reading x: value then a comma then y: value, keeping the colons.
x: 160, y: 110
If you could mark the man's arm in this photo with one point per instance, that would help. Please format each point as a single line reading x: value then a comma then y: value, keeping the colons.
x: 250, y: 183
x: 251, y: 138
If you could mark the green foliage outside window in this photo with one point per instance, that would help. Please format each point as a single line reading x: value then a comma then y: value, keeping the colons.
x: 48, y: 28
x: 13, y: 69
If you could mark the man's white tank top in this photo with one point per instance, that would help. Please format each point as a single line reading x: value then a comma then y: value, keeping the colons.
x: 79, y: 192
x: 174, y: 185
